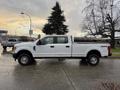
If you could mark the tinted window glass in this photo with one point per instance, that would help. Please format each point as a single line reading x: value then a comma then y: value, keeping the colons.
x: 47, y: 40
x: 12, y: 40
x: 62, y: 40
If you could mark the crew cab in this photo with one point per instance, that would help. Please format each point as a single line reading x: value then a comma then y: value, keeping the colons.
x: 60, y: 46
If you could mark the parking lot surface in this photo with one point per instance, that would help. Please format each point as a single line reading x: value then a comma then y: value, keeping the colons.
x: 50, y: 74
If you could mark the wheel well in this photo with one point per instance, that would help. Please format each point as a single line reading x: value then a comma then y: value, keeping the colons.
x: 25, y: 52
x: 94, y: 52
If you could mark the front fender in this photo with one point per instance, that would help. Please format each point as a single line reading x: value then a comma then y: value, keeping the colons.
x: 29, y: 48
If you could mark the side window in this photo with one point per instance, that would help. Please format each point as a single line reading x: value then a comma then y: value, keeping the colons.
x: 62, y: 40
x: 53, y: 40
x: 47, y: 40
x: 12, y: 40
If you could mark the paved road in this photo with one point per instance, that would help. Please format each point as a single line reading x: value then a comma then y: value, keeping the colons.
x: 53, y: 75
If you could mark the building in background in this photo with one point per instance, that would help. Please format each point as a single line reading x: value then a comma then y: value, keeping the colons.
x: 3, y: 34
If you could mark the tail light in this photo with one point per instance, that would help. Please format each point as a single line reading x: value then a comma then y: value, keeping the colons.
x: 109, y: 51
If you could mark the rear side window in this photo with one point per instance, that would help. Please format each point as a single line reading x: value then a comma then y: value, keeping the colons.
x: 61, y: 40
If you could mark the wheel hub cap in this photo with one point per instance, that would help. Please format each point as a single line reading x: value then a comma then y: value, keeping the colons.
x: 24, y: 59
x: 93, y: 60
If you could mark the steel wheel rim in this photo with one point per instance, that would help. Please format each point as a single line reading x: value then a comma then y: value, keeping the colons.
x: 24, y: 59
x: 93, y: 60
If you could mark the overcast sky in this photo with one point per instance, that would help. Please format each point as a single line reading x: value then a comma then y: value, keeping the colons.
x: 39, y: 10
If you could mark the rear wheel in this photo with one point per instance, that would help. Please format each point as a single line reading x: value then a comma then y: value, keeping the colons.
x: 93, y: 59
x: 25, y: 59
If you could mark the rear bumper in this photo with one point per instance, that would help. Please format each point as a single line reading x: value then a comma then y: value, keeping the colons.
x: 110, y: 54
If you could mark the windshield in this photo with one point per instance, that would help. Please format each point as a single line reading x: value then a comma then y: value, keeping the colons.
x: 12, y: 40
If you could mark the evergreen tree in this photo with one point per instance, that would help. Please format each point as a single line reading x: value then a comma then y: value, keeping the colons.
x: 56, y: 21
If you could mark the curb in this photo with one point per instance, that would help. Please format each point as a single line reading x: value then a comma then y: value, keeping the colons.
x: 112, y: 57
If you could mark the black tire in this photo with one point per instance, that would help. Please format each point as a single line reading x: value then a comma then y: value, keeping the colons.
x: 4, y: 48
x: 93, y: 59
x: 25, y: 59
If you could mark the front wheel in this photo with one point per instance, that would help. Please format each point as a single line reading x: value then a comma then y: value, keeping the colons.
x: 24, y: 59
x: 93, y: 59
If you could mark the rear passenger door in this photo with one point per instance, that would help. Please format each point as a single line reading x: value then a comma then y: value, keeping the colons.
x: 62, y: 46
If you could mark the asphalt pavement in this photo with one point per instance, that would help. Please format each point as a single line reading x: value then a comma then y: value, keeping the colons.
x: 50, y: 74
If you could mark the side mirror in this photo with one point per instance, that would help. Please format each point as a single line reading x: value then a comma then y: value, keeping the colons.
x: 39, y: 42
x: 39, y: 36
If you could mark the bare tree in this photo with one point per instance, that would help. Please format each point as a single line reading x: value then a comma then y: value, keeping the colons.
x: 102, y: 18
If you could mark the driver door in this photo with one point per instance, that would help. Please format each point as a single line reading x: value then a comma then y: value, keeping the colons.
x: 45, y: 48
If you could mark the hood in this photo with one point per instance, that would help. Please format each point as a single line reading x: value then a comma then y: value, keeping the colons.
x: 24, y: 44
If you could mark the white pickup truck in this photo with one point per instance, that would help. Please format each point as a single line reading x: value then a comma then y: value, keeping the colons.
x: 60, y: 46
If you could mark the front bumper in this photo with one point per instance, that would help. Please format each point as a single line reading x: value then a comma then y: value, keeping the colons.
x: 15, y: 56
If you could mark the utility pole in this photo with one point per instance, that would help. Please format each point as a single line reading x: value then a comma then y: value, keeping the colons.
x: 112, y: 27
x: 111, y: 9
x: 30, y: 29
x: 94, y: 19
